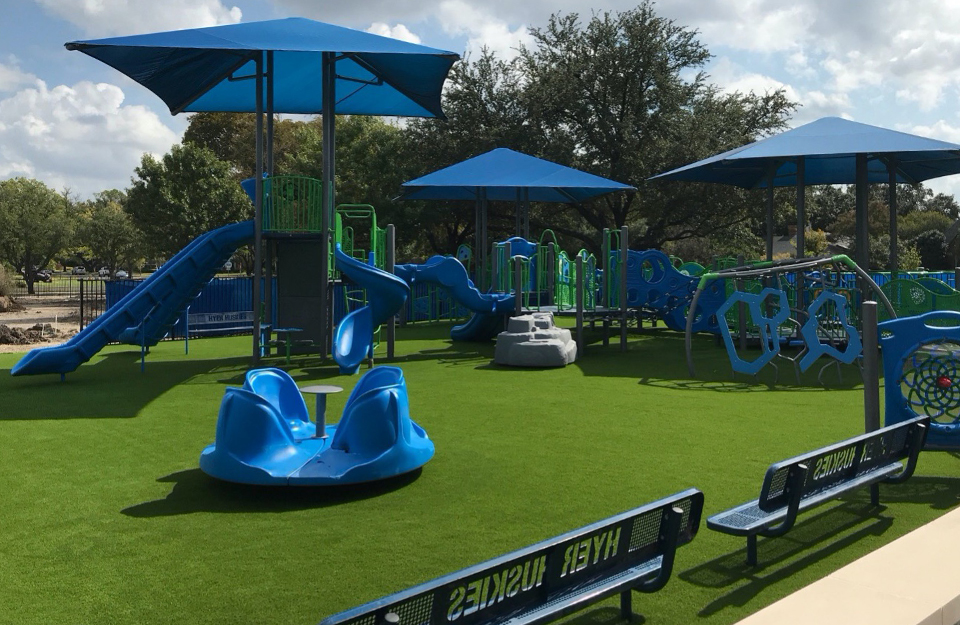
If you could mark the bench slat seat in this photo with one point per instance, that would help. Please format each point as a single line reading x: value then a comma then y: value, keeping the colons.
x: 634, y: 550
x: 748, y: 518
x: 813, y: 478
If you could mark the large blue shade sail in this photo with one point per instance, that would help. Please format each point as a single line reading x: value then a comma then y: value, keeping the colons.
x: 829, y: 147
x: 211, y: 69
x: 504, y: 173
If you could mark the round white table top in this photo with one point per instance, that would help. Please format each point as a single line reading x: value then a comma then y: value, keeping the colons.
x: 321, y: 389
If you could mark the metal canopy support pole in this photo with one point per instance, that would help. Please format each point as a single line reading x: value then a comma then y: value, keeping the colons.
x: 258, y: 213
x: 269, y: 145
x: 329, y: 82
x: 862, y: 222
x: 267, y: 314
x: 801, y: 223
x: 892, y: 195
x: 580, y: 304
x: 526, y: 214
x: 770, y: 216
x: 388, y: 266
x: 871, y: 368
x: 871, y: 379
x: 478, y: 252
x: 518, y: 285
x: 624, y: 254
x: 518, y: 216
x: 483, y: 238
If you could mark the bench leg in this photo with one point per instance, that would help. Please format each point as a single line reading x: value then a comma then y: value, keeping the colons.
x: 626, y: 605
x: 874, y: 495
x: 752, y: 550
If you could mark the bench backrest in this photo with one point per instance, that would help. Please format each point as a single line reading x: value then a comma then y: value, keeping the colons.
x: 842, y: 462
x: 497, y: 589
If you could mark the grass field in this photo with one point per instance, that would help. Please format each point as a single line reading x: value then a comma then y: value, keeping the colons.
x: 106, y: 517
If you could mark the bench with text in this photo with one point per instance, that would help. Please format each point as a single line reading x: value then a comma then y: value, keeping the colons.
x: 234, y: 322
x: 819, y: 476
x: 631, y: 551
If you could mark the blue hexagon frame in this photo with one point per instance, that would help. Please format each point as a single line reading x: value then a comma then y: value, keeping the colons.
x: 811, y: 339
x: 768, y: 327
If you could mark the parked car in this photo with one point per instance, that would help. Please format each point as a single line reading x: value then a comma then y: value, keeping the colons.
x: 104, y: 272
x: 43, y: 276
x: 79, y: 270
x: 121, y: 274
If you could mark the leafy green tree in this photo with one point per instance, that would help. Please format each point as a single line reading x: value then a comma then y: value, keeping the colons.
x: 814, y: 242
x: 186, y: 193
x: 826, y: 203
x: 932, y: 247
x: 625, y: 97
x: 35, y: 224
x: 484, y: 107
x: 913, y: 224
x: 108, y: 231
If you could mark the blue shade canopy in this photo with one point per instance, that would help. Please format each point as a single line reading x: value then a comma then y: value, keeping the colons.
x: 504, y: 173
x: 830, y: 146
x: 198, y: 69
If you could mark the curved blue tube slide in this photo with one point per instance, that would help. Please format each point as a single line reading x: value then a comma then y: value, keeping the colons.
x: 146, y: 313
x: 488, y: 308
x: 386, y: 294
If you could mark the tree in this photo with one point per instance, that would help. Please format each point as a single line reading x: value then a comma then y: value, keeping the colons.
x: 108, y: 231
x: 186, y: 193
x: 932, y: 247
x: 625, y: 97
x: 485, y: 109
x: 34, y: 225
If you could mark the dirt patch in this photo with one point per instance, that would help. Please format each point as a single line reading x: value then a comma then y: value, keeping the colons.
x: 10, y: 305
x: 15, y: 339
x: 31, y: 322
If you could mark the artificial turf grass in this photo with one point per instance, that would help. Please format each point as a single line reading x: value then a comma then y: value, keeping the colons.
x: 107, y: 519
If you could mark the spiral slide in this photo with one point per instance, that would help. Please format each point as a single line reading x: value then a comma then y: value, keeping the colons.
x: 146, y: 313
x: 488, y: 308
x: 386, y: 295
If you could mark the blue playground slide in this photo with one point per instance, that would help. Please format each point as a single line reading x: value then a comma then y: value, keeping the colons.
x: 146, y: 313
x: 447, y: 272
x: 386, y: 295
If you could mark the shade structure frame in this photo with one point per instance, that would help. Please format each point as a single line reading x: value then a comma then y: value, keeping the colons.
x: 834, y: 151
x: 201, y: 69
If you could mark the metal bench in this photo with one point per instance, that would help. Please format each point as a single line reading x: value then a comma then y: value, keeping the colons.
x: 813, y: 478
x: 631, y: 551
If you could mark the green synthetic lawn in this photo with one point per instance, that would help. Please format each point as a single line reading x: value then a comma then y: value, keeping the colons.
x: 105, y: 516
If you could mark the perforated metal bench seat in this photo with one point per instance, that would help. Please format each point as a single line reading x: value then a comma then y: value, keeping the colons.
x: 813, y: 478
x: 748, y: 518
x: 631, y: 551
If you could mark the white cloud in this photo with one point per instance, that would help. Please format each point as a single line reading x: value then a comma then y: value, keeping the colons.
x: 814, y: 104
x: 399, y: 31
x: 13, y: 78
x: 99, y: 18
x: 482, y: 28
x: 81, y: 137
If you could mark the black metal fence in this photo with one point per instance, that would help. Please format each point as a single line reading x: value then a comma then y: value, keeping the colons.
x: 60, y: 286
x: 93, y: 299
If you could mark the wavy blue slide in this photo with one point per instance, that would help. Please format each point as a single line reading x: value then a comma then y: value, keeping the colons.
x: 146, y: 313
x: 488, y: 308
x: 386, y: 294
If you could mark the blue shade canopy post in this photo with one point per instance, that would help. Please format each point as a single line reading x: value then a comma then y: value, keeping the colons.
x: 315, y: 68
x: 830, y: 150
x: 506, y: 175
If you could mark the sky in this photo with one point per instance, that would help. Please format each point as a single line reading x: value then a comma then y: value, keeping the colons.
x: 75, y: 123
